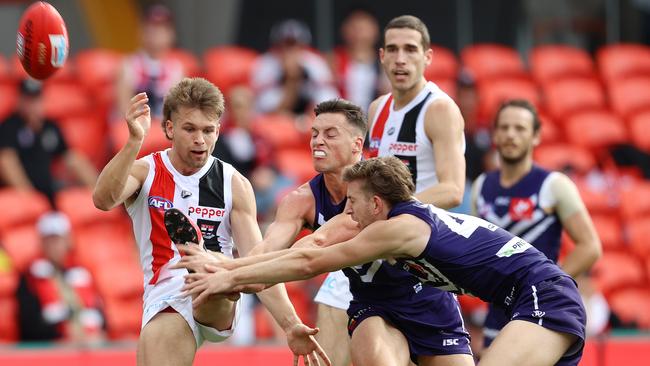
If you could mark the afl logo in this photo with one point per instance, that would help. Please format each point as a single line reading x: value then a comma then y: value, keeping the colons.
x: 160, y: 203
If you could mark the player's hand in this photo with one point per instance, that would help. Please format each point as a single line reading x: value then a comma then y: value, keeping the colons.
x: 138, y: 117
x: 195, y: 258
x: 206, y: 285
x: 300, y: 339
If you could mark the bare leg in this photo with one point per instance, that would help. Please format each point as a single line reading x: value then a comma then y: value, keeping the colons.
x: 166, y: 340
x: 333, y: 334
x: 525, y: 343
x: 446, y: 360
x: 375, y: 342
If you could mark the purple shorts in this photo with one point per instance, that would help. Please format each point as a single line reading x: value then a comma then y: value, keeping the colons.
x: 431, y: 329
x: 554, y: 304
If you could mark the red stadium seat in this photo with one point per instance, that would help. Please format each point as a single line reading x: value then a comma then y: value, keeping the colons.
x: 447, y: 85
x: 9, y: 93
x: 639, y: 125
x: 279, y: 131
x: 549, y: 130
x: 77, y: 204
x: 17, y: 70
x: 616, y: 270
x: 443, y: 66
x: 121, y: 280
x: 567, y: 96
x: 599, y: 201
x: 154, y: 141
x: 609, y: 231
x: 229, y: 66
x: 555, y: 62
x: 562, y: 156
x: 123, y: 317
x: 486, y: 61
x: 96, y: 245
x: 623, y: 60
x: 22, y: 245
x: 635, y: 201
x: 191, y: 64
x: 9, y: 324
x: 595, y: 130
x: 97, y: 67
x: 630, y: 95
x: 632, y: 306
x: 296, y: 164
x: 27, y: 207
x: 638, y: 232
x: 86, y: 134
x: 63, y: 100
x: 494, y: 92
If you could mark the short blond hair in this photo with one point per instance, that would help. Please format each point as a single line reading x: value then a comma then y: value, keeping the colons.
x: 193, y: 93
x: 387, y: 177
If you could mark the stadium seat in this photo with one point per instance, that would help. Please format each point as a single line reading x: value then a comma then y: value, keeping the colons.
x: 595, y: 130
x: 630, y: 95
x: 555, y: 62
x: 615, y: 270
x: 22, y: 245
x: 77, y: 204
x: 191, y: 64
x: 86, y: 134
x: 295, y: 163
x: 639, y: 126
x: 567, y: 96
x: 8, y: 325
x: 609, y: 231
x: 447, y: 85
x: 9, y: 93
x: 97, y: 67
x: 487, y: 61
x: 494, y: 92
x: 123, y: 318
x: 96, y: 245
x: 635, y: 201
x: 28, y: 206
x: 63, y: 100
x: 228, y: 66
x: 563, y: 156
x: 638, y: 233
x: 549, y: 130
x: 120, y: 280
x: 154, y: 141
x: 443, y: 66
x: 623, y: 60
x: 8, y: 282
x: 598, y: 200
x: 279, y: 131
x: 632, y: 306
x: 5, y: 68
x: 17, y: 70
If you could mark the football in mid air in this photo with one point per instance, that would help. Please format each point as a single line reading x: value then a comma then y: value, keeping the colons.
x: 42, y: 40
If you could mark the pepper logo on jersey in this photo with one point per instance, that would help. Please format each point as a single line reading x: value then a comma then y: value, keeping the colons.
x: 160, y: 203
x: 212, y: 213
x: 396, y: 148
x: 521, y: 208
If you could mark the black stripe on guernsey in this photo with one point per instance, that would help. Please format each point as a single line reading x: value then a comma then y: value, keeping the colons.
x: 407, y: 134
x: 211, y: 194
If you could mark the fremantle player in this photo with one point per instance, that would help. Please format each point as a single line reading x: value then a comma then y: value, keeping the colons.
x: 531, y: 202
x: 452, y: 252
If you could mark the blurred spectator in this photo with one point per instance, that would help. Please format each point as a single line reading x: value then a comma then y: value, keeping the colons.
x: 56, y: 298
x: 598, y: 313
x: 148, y: 70
x: 290, y: 77
x: 29, y: 142
x: 355, y: 64
x: 237, y: 144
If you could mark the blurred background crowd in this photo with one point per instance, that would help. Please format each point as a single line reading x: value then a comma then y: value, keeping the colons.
x: 69, y: 272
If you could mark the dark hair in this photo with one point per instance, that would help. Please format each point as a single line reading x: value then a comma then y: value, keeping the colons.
x: 410, y: 22
x: 352, y: 112
x: 193, y: 93
x: 520, y: 103
x: 387, y: 177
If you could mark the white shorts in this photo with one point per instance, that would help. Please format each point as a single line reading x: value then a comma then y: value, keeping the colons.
x: 167, y: 293
x: 335, y: 291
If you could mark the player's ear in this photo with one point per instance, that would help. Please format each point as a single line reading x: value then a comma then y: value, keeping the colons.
x: 358, y: 144
x: 428, y: 56
x: 169, y: 129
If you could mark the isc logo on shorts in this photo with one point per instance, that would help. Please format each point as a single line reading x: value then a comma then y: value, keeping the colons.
x: 450, y: 342
x: 159, y: 203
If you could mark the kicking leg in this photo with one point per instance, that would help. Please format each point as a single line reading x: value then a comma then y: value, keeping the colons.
x: 167, y: 339
x: 333, y: 334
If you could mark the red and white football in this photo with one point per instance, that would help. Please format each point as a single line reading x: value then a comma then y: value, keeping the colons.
x: 42, y: 40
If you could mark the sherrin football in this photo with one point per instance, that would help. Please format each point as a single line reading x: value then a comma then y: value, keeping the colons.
x: 42, y: 40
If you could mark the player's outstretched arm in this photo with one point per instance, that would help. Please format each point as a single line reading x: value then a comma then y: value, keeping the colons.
x: 444, y: 127
x: 246, y: 233
x: 123, y: 176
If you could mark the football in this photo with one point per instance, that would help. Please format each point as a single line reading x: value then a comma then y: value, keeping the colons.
x: 42, y: 40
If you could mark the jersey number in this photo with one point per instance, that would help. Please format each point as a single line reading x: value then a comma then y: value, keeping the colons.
x: 467, y: 225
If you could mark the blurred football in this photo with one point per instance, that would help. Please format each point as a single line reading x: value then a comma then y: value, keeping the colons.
x: 42, y: 40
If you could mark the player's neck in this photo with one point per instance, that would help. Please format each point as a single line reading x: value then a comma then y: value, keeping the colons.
x: 336, y: 187
x: 511, y: 173
x: 403, y: 97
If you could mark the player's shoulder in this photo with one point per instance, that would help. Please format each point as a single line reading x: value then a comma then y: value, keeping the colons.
x: 374, y: 105
x: 297, y: 203
x: 301, y: 195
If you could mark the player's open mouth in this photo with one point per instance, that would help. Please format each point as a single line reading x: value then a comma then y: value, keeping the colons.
x: 319, y: 154
x: 198, y: 153
x: 400, y: 74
